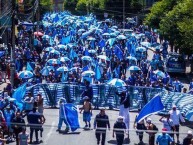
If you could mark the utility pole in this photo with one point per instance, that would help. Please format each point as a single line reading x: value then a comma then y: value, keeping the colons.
x: 123, y: 14
x: 38, y: 15
x: 12, y: 65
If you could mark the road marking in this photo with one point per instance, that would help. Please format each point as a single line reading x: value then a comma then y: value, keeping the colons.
x: 49, y: 133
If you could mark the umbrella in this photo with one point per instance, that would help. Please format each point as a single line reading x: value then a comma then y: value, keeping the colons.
x: 62, y: 69
x: 106, y: 34
x: 103, y: 57
x: 88, y: 73
x: 25, y: 74
x: 88, y: 58
x: 116, y: 82
x: 114, y: 27
x: 55, y: 52
x: 70, y: 45
x: 91, y: 39
x: 53, y: 61
x: 38, y: 33
x: 189, y: 116
x: 121, y: 37
x: 134, y: 68
x: 81, y: 30
x: 45, y: 71
x: 146, y: 44
x: 60, y: 46
x: 113, y: 34
x: 63, y: 59
x: 46, y: 37
x: 160, y: 73
x: 75, y: 68
x: 141, y: 49
x: 92, y: 51
x: 49, y: 49
x: 131, y: 58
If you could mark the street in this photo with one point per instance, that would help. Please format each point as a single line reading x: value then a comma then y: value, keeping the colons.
x: 87, y: 137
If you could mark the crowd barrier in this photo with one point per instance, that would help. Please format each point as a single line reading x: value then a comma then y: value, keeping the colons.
x: 105, y: 95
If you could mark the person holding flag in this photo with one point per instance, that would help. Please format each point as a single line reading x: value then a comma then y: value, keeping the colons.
x: 62, y: 117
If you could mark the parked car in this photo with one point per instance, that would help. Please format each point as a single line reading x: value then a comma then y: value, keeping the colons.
x: 175, y: 63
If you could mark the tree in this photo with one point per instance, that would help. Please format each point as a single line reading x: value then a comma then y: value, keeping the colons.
x: 176, y: 26
x: 158, y: 11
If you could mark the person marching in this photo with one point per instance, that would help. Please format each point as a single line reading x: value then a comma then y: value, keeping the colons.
x: 164, y: 138
x: 176, y: 116
x: 124, y: 107
x: 87, y: 113
x: 62, y: 118
x: 100, y: 124
x: 151, y: 130
x: 119, y: 129
x: 140, y: 126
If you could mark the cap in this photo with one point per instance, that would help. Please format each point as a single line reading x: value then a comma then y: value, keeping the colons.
x: 148, y: 120
x: 120, y: 117
x: 39, y: 93
x: 85, y: 98
x: 190, y: 132
x: 164, y: 129
x: 173, y: 106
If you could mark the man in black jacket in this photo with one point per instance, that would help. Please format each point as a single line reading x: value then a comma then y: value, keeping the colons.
x: 88, y: 91
x: 101, y: 123
x: 119, y: 129
x: 17, y: 124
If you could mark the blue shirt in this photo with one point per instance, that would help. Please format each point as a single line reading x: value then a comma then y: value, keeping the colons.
x: 164, y: 139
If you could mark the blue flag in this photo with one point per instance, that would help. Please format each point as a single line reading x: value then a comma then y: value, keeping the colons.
x: 97, y: 73
x: 85, y: 68
x: 155, y: 105
x: 71, y: 113
x: 118, y: 52
x: 64, y: 77
x: 66, y: 40
x: 18, y: 95
x: 72, y: 54
x: 30, y: 66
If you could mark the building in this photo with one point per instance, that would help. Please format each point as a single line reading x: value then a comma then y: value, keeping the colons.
x: 5, y: 20
x: 58, y: 5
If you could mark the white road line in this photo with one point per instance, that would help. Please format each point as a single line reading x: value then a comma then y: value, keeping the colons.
x: 45, y: 141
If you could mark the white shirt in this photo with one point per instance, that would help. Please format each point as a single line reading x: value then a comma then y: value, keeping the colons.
x: 176, y: 116
x: 167, y: 123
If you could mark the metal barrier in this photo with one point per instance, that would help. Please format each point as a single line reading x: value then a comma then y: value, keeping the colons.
x: 105, y: 96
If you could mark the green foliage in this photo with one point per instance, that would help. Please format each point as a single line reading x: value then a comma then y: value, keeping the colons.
x: 136, y: 5
x: 158, y: 11
x: 46, y: 5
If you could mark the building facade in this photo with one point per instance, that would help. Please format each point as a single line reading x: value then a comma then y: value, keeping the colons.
x: 58, y: 5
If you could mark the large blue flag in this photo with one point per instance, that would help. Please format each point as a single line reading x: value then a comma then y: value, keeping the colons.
x: 154, y: 106
x: 19, y: 95
x: 71, y: 113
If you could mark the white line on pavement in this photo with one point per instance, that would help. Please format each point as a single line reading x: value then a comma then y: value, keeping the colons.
x: 49, y: 133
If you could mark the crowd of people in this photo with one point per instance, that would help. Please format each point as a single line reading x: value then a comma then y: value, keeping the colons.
x: 64, y: 48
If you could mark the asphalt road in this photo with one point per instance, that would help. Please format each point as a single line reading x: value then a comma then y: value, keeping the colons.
x: 82, y: 137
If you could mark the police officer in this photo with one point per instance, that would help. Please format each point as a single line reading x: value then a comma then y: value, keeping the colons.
x: 119, y: 129
x: 100, y: 124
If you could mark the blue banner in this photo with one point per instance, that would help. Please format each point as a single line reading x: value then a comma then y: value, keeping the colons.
x: 71, y: 113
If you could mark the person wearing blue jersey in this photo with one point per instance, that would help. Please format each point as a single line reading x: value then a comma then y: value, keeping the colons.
x: 191, y: 85
x: 164, y: 138
x: 177, y: 85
